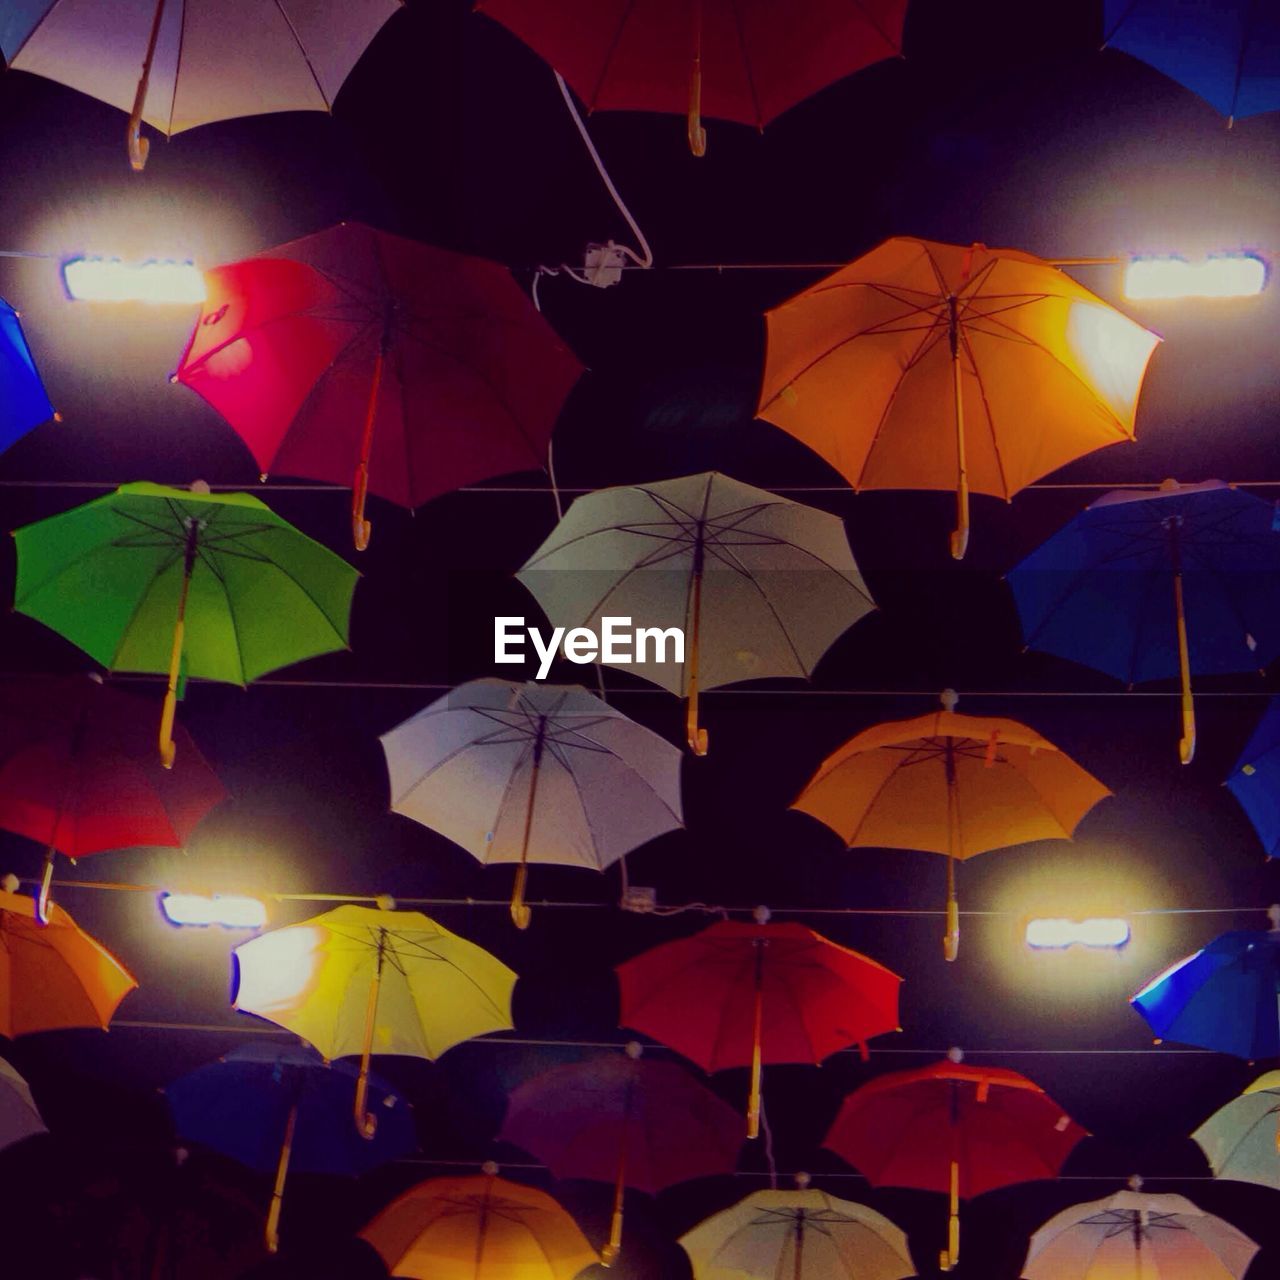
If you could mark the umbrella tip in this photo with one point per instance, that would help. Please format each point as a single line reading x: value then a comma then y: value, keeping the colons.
x: 1168, y: 484
x: 955, y: 1054
x: 1273, y: 915
x: 200, y: 486
x: 802, y: 1181
x: 761, y: 915
x: 948, y: 698
x: 1135, y: 1182
x: 95, y: 676
x: 10, y: 883
x: 385, y: 902
x: 489, y: 1169
x: 634, y: 1050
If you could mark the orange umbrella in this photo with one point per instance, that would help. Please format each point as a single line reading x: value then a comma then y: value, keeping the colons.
x: 935, y: 366
x: 53, y: 975
x: 951, y: 784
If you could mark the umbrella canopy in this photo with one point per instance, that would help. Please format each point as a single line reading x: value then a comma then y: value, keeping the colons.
x: 1224, y: 997
x: 624, y: 1119
x: 533, y: 773
x: 936, y: 366
x: 797, y: 1235
x: 755, y: 584
x: 953, y: 1128
x: 952, y: 784
x: 1148, y: 585
x: 211, y: 585
x: 20, y: 1118
x: 1228, y: 52
x: 479, y: 1228
x: 357, y: 357
x: 1255, y: 781
x: 1136, y: 1236
x: 744, y: 60
x: 54, y: 975
x: 24, y: 403
x: 1241, y: 1141
x: 737, y: 994
x: 362, y: 980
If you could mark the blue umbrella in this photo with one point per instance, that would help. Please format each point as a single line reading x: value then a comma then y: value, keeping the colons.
x: 1227, y: 51
x: 1224, y: 997
x: 1255, y: 781
x: 23, y: 401
x: 274, y: 1108
x: 1149, y: 585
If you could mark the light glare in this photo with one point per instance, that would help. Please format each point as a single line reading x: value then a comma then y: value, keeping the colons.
x: 1102, y: 932
x: 229, y: 911
x: 112, y: 280
x: 1240, y: 275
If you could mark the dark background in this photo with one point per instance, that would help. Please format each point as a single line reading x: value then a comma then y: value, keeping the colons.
x: 1003, y: 124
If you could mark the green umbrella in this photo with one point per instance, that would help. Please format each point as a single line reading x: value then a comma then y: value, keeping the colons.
x: 189, y: 582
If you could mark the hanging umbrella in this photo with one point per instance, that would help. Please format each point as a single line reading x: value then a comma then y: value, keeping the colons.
x: 737, y: 995
x: 1241, y: 1141
x: 191, y: 62
x: 363, y: 980
x: 212, y: 585
x: 756, y: 585
x: 935, y: 366
x: 1134, y: 1234
x: 282, y: 1109
x: 53, y: 975
x: 478, y: 1228
x: 20, y: 1118
x: 1228, y: 52
x: 78, y: 772
x: 1255, y: 781
x: 743, y: 60
x: 955, y: 1129
x: 1148, y: 585
x: 951, y: 784
x: 24, y: 403
x: 354, y: 353
x: 797, y: 1235
x: 623, y: 1119
x: 533, y: 773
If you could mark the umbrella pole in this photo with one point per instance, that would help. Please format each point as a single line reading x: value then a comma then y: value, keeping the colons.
x: 960, y: 535
x: 277, y: 1191
x: 167, y: 748
x: 520, y: 913
x: 609, y: 1254
x: 366, y: 1123
x: 797, y: 1262
x: 360, y: 527
x: 1187, y: 744
x: 697, y: 134
x: 696, y: 736
x: 138, y: 146
x: 951, y: 939
x: 757, y: 1028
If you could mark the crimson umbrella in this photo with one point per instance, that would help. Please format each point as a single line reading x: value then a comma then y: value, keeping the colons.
x: 623, y: 1119
x: 738, y: 994
x: 357, y: 357
x: 79, y: 772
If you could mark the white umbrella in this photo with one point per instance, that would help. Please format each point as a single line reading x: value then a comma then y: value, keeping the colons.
x: 533, y: 773
x: 1242, y: 1139
x: 19, y: 1116
x: 757, y: 585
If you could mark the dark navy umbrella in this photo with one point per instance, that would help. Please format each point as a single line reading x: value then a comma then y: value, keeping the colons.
x: 1146, y: 585
x: 1255, y: 781
x: 23, y: 401
x: 281, y: 1108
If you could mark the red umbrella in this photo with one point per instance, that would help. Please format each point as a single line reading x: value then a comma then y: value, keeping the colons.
x: 744, y: 60
x: 955, y: 1129
x: 621, y: 1119
x: 738, y: 994
x: 80, y: 775
x: 357, y: 357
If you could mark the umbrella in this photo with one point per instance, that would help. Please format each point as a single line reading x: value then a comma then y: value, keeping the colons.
x: 756, y: 585
x: 738, y: 994
x: 955, y: 1129
x: 1225, y: 997
x: 1228, y: 52
x: 212, y: 585
x: 364, y: 980
x: 1135, y: 1234
x: 354, y: 353
x: 935, y: 366
x: 19, y: 1116
x: 1255, y: 781
x: 478, y: 1228
x: 24, y: 403
x: 78, y: 772
x: 281, y: 1109
x: 743, y: 60
x: 191, y: 62
x: 533, y: 773
x: 951, y: 784
x: 54, y: 975
x: 620, y: 1118
x: 1148, y: 585
x: 1241, y: 1141
x: 795, y: 1235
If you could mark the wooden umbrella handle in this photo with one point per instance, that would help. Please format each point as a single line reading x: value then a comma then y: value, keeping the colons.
x: 697, y: 134
x: 277, y: 1191
x: 137, y: 146
x: 951, y: 1254
x: 1187, y: 744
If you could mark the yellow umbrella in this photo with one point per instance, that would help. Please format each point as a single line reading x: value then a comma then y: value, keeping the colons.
x: 951, y: 784
x: 935, y: 366
x: 365, y: 980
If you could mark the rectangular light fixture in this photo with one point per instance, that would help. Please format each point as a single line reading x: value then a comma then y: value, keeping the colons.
x: 1233, y: 275
x: 1107, y: 933
x: 228, y: 910
x: 89, y: 279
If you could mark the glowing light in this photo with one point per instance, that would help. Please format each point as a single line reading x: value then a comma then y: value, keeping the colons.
x: 1098, y: 932
x: 1236, y: 275
x: 229, y: 911
x: 112, y: 280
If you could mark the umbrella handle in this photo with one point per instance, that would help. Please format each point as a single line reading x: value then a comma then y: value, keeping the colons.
x: 137, y: 146
x: 360, y: 527
x: 1187, y: 745
x: 696, y: 735
x: 277, y: 1191
x: 366, y: 1122
x: 609, y: 1254
x: 948, y: 1258
x: 46, y: 881
x: 168, y: 749
x: 951, y: 939
x: 697, y: 134
x: 960, y: 535
x: 521, y: 915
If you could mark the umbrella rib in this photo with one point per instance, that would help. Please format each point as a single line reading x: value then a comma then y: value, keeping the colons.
x: 773, y: 612
x: 1153, y: 580
x: 361, y: 325
x: 324, y: 97
x: 986, y: 409
x: 137, y: 608
x: 609, y: 54
x: 526, y: 753
x: 582, y: 805
x: 746, y: 63
x: 177, y: 69
x: 871, y: 804
x: 231, y: 610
